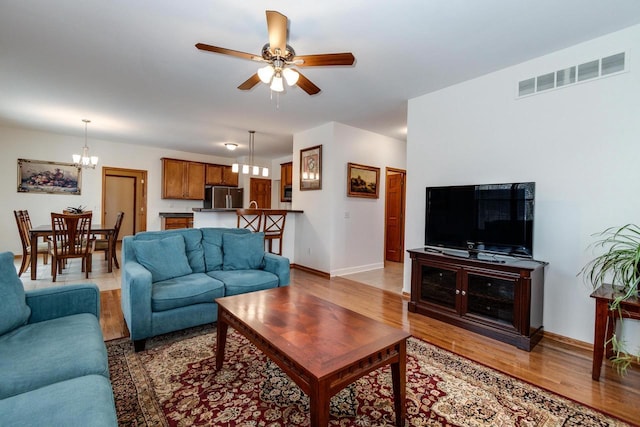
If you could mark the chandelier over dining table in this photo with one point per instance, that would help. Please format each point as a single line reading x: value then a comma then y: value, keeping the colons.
x: 84, y: 160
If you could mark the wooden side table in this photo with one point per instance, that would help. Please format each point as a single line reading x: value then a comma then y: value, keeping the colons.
x: 605, y: 324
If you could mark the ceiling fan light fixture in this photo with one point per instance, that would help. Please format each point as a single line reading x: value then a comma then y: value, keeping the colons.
x: 231, y: 146
x: 276, y: 83
x: 265, y: 74
x: 291, y: 76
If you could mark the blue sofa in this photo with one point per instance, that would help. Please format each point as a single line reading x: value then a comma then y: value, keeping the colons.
x: 53, y: 361
x: 171, y: 278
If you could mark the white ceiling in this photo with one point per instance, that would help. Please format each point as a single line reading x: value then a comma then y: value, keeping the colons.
x: 130, y: 66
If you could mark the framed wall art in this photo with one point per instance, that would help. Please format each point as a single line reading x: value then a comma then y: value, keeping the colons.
x: 362, y: 181
x: 311, y: 168
x: 39, y: 176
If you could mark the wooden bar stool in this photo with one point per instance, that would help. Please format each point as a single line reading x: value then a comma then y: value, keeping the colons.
x: 249, y: 218
x: 274, y: 228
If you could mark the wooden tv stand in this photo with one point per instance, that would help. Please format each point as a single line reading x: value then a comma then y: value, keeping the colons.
x: 502, y: 300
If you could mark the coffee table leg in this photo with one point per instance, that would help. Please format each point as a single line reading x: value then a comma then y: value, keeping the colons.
x: 319, y: 405
x: 399, y: 380
x: 221, y: 341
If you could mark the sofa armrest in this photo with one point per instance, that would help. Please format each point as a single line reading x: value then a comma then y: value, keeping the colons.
x: 60, y: 301
x: 136, y: 299
x: 279, y: 266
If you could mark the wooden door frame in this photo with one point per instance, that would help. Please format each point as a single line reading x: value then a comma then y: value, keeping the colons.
x: 403, y: 172
x: 140, y: 220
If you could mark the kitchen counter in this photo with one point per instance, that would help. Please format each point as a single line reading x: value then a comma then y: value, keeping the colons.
x: 225, y: 217
x: 234, y: 209
x: 175, y: 214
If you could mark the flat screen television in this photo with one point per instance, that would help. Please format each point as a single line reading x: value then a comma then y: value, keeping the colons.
x: 491, y: 218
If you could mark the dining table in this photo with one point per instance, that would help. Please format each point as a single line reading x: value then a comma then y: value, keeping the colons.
x: 46, y: 230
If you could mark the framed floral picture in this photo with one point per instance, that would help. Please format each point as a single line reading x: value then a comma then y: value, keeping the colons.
x: 362, y: 181
x: 39, y: 176
x: 311, y: 168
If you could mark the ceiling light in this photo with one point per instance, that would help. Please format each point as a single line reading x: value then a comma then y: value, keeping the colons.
x: 276, y: 83
x: 251, y: 167
x: 84, y: 160
x: 265, y: 74
x: 231, y: 146
x: 291, y: 76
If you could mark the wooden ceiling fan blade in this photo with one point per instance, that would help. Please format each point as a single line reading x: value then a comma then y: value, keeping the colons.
x: 307, y: 85
x: 226, y: 51
x: 250, y: 82
x: 325, y: 59
x: 277, y: 29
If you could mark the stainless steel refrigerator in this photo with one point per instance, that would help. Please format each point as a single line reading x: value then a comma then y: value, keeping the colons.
x: 223, y: 197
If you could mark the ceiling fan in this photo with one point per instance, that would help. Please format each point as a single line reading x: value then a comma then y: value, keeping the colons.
x: 280, y: 57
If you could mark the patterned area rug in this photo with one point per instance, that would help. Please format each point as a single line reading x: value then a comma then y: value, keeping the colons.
x: 174, y: 383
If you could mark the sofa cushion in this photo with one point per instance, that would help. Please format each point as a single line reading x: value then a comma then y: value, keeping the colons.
x: 243, y: 251
x: 192, y: 241
x: 212, y: 244
x: 43, y: 353
x: 82, y: 401
x: 183, y: 291
x: 164, y: 258
x: 14, y: 310
x: 243, y: 281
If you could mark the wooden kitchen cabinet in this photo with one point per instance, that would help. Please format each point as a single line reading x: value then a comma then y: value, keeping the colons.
x: 182, y: 179
x: 286, y: 181
x: 176, y: 222
x: 221, y: 175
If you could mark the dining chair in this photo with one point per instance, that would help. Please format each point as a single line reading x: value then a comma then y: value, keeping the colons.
x: 71, y: 238
x: 274, y: 228
x: 102, y: 244
x: 24, y: 225
x: 250, y: 219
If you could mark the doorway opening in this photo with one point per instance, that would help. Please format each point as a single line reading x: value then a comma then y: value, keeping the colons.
x: 394, y: 214
x: 125, y: 190
x: 260, y: 191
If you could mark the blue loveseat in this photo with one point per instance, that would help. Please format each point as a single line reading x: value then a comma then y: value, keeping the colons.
x: 171, y: 278
x: 53, y: 361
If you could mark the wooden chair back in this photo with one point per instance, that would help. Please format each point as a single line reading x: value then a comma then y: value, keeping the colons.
x: 24, y: 226
x: 103, y: 244
x: 274, y: 221
x: 71, y: 238
x: 249, y: 218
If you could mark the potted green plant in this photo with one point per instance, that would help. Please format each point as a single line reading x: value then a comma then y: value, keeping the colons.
x: 618, y: 265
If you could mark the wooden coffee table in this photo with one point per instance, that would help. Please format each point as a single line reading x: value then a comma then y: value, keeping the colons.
x: 319, y: 345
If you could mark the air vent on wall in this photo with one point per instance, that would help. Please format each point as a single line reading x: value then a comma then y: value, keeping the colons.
x: 577, y: 73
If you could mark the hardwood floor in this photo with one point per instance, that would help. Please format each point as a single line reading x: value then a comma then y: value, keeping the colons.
x: 554, y: 364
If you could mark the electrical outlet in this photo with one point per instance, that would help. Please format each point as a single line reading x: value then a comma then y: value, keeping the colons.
x: 347, y: 215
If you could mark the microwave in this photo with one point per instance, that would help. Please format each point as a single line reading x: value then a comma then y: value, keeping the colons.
x: 286, y: 193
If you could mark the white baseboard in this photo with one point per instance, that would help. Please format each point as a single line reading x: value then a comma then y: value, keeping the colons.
x: 357, y: 269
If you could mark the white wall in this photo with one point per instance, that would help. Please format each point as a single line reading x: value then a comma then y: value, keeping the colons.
x: 578, y: 143
x: 27, y: 144
x: 340, y: 234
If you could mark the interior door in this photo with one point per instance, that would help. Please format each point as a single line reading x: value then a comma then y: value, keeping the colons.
x: 125, y: 190
x: 120, y: 197
x: 394, y: 214
x: 260, y: 191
